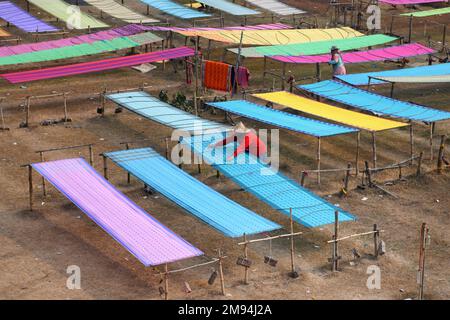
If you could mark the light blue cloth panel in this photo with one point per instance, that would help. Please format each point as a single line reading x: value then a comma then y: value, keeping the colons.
x: 282, y: 119
x: 205, y: 203
x: 229, y: 7
x: 373, y: 102
x: 154, y: 109
x: 359, y: 79
x: 270, y: 186
x: 175, y: 9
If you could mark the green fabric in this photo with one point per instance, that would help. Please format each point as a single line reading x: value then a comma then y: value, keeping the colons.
x: 80, y: 49
x: 64, y: 12
x: 313, y: 48
x: 428, y: 13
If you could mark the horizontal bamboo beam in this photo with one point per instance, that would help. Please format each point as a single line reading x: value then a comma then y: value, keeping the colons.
x: 355, y: 235
x: 270, y: 238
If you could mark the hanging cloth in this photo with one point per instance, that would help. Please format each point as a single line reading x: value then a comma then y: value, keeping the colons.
x: 217, y: 76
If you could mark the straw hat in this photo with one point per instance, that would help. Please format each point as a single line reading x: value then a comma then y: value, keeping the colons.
x: 241, y: 128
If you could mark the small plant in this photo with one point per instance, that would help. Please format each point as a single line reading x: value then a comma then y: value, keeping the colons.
x: 163, y: 96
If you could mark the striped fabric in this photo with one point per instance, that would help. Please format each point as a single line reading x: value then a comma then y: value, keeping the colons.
x: 142, y: 235
x: 21, y: 19
x: 229, y: 7
x: 276, y: 7
x: 96, y: 66
x: 116, y: 10
x: 175, y: 9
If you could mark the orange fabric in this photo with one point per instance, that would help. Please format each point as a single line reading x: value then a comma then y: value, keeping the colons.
x: 216, y: 76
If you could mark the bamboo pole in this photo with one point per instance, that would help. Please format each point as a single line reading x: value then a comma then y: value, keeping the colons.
x: 335, y: 244
x: 30, y: 185
x: 421, y: 270
x: 44, y: 189
x: 376, y: 236
x: 196, y: 75
x: 374, y: 149
x: 222, y: 280
x: 441, y: 154
x: 246, y: 257
x: 411, y: 140
x: 358, y: 141
x: 91, y: 155
x: 127, y: 147
x: 166, y: 282
x: 318, y: 160
x: 65, y: 107
x: 293, y: 273
x: 105, y: 166
x: 347, y: 177
x: 419, y: 164
x: 354, y: 235
x: 27, y: 116
x: 431, y: 140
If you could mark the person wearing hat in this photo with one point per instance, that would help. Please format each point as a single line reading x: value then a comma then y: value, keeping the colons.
x: 247, y: 141
x: 336, y: 62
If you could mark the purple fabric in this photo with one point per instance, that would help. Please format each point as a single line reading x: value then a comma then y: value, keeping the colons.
x: 271, y: 26
x: 402, y: 2
x: 94, y: 66
x: 141, y: 234
x: 22, y: 19
x: 87, y: 38
x: 389, y: 53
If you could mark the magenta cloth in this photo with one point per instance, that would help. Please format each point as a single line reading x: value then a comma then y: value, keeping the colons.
x: 87, y: 38
x: 389, y: 53
x: 22, y: 19
x: 402, y: 2
x: 95, y: 66
x: 243, y: 77
x: 270, y: 26
x: 141, y: 234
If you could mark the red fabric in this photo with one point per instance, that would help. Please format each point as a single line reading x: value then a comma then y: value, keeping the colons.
x: 251, y: 144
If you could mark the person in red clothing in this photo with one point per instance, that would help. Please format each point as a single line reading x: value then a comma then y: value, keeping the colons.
x: 247, y: 141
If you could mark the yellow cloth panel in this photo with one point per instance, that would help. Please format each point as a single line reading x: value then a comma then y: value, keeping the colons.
x: 326, y: 111
x: 4, y: 33
x: 195, y: 5
x: 275, y: 37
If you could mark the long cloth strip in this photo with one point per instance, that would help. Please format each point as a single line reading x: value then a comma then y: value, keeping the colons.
x: 142, y: 235
x: 418, y: 79
x: 269, y: 26
x: 87, y: 38
x: 80, y: 50
x: 116, y: 10
x: 276, y: 7
x: 281, y: 119
x: 407, y: 2
x: 23, y: 20
x: 275, y: 37
x: 95, y: 66
x: 329, y: 112
x: 428, y: 13
x: 378, y: 104
x: 267, y: 184
x: 68, y: 13
x: 359, y: 79
x: 175, y: 9
x: 389, y: 53
x: 229, y: 7
x: 316, y: 47
x: 208, y: 205
x: 156, y: 110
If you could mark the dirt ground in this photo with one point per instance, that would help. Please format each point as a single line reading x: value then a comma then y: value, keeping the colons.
x: 37, y: 247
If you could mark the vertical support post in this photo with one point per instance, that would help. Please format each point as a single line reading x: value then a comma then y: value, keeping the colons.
x: 410, y: 28
x: 65, y: 107
x: 376, y: 237
x: 358, y: 141
x: 44, y: 189
x: 347, y: 177
x: 166, y: 282
x: 105, y: 167
x: 27, y: 117
x: 444, y: 37
x: 334, y: 255
x: 374, y: 149
x: 421, y: 271
x: 222, y: 279
x: 246, y: 257
x: 264, y: 72
x: 411, y: 141
x: 318, y: 160
x: 419, y: 164
x: 318, y: 72
x: 441, y: 155
x: 127, y: 146
x: 293, y: 273
x: 166, y: 139
x: 91, y: 155
x: 283, y: 77
x: 392, y: 89
x: 30, y: 185
x: 368, y: 173
x: 431, y: 140
x: 302, y: 181
x: 196, y: 75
